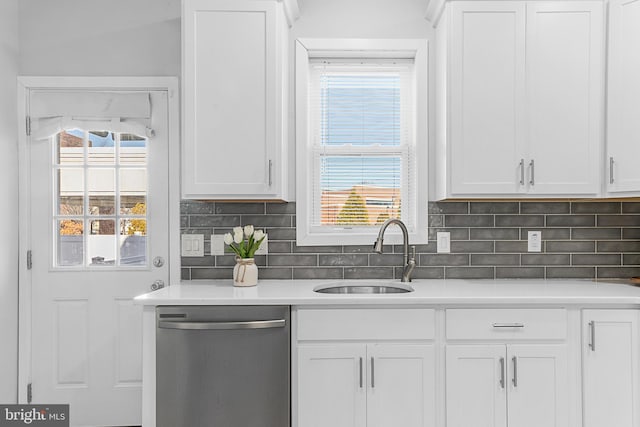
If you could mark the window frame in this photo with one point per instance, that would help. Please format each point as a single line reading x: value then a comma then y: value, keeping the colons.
x: 306, y: 49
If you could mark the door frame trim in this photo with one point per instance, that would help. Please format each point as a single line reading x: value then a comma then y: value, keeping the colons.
x: 25, y: 84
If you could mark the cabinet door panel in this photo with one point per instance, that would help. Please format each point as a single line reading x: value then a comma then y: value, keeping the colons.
x: 329, y: 391
x: 403, y: 392
x: 487, y: 96
x: 610, y: 368
x: 537, y: 384
x: 623, y: 125
x: 565, y: 94
x: 229, y: 92
x: 475, y: 395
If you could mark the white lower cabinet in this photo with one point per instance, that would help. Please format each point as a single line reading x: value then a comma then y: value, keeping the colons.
x: 373, y: 385
x: 507, y: 385
x: 610, y: 357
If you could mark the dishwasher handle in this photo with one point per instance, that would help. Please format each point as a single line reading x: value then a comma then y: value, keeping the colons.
x: 202, y: 325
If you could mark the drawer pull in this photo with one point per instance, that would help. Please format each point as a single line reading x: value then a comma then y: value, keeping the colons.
x: 508, y: 325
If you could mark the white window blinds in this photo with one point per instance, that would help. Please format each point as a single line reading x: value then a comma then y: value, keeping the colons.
x: 362, y: 142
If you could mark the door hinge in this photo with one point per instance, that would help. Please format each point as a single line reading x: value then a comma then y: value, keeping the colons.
x: 29, y: 393
x: 29, y: 260
x: 28, y: 125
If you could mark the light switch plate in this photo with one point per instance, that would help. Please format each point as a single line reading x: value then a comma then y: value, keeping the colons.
x: 193, y: 245
x: 534, y: 241
x: 443, y: 239
x: 264, y: 247
x: 217, y: 244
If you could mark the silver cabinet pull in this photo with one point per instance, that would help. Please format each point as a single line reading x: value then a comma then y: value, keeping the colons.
x: 195, y: 325
x: 521, y: 171
x: 361, y: 372
x: 270, y: 172
x: 532, y: 165
x: 373, y: 382
x: 515, y: 371
x: 502, y: 372
x: 508, y: 325
x: 611, y: 179
x: 592, y: 335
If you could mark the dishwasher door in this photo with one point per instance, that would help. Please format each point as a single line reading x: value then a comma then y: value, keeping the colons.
x: 223, y: 366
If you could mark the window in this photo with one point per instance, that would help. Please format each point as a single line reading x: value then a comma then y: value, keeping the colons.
x: 101, y: 199
x: 361, y: 139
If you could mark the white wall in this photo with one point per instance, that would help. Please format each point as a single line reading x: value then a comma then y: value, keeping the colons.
x: 9, y: 198
x: 100, y: 38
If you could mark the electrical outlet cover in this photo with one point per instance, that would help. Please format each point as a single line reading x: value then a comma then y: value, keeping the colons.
x: 443, y: 242
x: 264, y: 247
x: 534, y: 241
x: 193, y: 245
x: 217, y: 244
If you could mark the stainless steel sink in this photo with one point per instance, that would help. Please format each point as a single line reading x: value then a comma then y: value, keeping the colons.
x: 363, y: 288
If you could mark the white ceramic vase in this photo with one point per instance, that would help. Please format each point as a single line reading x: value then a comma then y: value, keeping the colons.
x: 245, y: 272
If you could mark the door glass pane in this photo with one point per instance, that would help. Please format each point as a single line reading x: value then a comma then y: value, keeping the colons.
x: 101, y: 148
x: 101, y: 243
x: 101, y: 188
x: 133, y: 241
x: 70, y: 191
x: 70, y: 243
x: 70, y: 147
x: 133, y: 149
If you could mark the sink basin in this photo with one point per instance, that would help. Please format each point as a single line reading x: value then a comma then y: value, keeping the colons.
x: 363, y: 288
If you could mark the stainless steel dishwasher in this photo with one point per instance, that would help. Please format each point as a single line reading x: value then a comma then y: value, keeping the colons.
x: 222, y: 366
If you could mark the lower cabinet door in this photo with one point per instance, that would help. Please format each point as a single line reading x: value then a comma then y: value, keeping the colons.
x: 610, y: 357
x: 332, y: 385
x: 476, y: 386
x: 537, y: 384
x: 401, y: 385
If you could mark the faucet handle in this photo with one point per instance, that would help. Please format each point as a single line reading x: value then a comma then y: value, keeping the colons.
x: 413, y: 253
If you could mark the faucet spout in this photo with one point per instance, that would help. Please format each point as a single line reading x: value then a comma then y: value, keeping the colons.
x: 409, y: 262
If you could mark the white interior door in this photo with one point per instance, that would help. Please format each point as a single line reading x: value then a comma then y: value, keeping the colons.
x: 99, y: 218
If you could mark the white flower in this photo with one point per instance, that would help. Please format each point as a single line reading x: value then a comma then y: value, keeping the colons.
x: 259, y: 234
x: 237, y: 230
x: 228, y: 239
x: 237, y: 237
x: 248, y: 230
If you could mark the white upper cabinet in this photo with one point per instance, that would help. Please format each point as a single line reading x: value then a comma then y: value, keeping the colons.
x: 487, y: 96
x: 565, y: 101
x: 234, y: 143
x: 519, y: 99
x: 623, y: 99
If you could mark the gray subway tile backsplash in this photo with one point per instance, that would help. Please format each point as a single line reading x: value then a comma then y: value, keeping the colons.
x: 488, y: 240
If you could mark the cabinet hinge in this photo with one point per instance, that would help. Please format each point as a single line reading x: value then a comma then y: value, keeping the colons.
x: 28, y: 125
x: 29, y: 260
x: 29, y: 393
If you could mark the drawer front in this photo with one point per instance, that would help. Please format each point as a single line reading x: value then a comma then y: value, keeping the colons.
x: 366, y: 324
x: 506, y: 324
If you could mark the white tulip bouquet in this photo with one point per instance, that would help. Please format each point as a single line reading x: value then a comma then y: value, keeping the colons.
x: 244, y: 242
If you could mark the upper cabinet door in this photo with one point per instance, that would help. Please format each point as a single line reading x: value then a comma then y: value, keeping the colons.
x: 623, y: 124
x: 232, y: 99
x: 487, y: 72
x: 564, y: 96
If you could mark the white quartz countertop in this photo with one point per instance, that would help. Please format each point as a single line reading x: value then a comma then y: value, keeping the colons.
x: 427, y: 292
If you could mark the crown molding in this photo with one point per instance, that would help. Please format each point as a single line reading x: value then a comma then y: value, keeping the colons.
x: 291, y: 10
x: 433, y: 11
